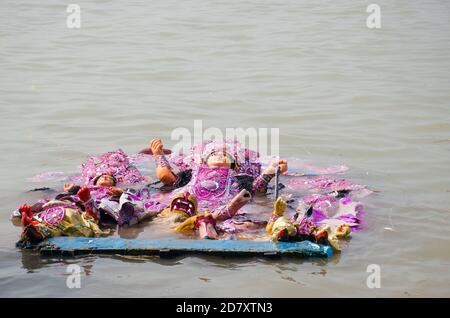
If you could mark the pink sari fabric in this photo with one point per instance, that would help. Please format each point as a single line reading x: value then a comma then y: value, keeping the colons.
x: 212, y: 187
x: 116, y: 163
x: 326, y: 184
x: 329, y: 210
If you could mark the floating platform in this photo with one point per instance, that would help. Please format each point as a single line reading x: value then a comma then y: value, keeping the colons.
x: 73, y: 246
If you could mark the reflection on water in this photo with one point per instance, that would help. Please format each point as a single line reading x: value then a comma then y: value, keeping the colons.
x: 32, y: 262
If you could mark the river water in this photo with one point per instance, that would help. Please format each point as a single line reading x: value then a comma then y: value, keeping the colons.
x: 376, y: 100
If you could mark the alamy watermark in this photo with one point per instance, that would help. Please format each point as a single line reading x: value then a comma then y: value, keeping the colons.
x: 73, y: 20
x: 374, y: 279
x: 73, y: 280
x: 265, y: 141
x: 373, y: 21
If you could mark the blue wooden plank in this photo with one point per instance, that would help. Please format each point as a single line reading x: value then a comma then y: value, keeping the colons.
x: 236, y: 247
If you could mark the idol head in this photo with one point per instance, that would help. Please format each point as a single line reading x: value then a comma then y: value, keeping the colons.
x: 105, y: 180
x: 220, y: 158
